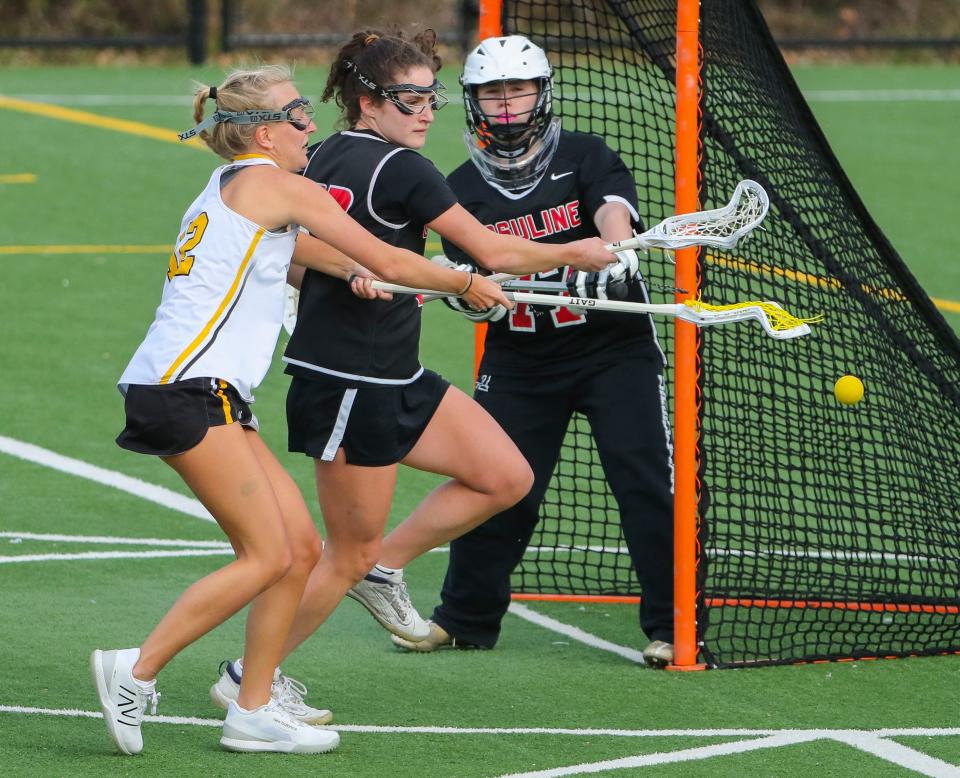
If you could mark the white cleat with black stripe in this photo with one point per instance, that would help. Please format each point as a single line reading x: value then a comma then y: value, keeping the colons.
x: 123, y: 699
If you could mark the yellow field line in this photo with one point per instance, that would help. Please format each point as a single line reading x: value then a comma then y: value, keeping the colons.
x: 18, y: 178
x: 94, y: 120
x: 946, y: 305
x: 759, y: 268
x: 753, y: 267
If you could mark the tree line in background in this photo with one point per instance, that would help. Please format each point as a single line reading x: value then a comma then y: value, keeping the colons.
x: 849, y: 20
x: 852, y: 19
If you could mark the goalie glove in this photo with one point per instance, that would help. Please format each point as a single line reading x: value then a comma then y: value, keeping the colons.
x: 599, y: 285
x: 440, y: 259
x: 626, y: 267
x: 456, y: 304
x: 611, y: 283
x: 487, y: 314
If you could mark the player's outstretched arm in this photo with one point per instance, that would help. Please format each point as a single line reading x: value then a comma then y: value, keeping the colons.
x: 512, y: 254
x: 313, y: 207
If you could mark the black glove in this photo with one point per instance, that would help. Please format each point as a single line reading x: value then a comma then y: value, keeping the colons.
x: 597, y: 286
x: 611, y: 283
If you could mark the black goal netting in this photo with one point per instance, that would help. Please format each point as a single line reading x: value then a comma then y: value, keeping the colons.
x: 826, y: 531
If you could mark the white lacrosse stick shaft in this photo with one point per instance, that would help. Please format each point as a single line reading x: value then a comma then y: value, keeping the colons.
x: 702, y: 318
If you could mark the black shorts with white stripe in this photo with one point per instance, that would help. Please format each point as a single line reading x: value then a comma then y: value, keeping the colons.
x: 375, y: 425
x: 169, y: 419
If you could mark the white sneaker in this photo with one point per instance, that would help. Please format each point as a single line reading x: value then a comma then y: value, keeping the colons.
x: 271, y: 728
x: 390, y: 604
x: 285, y: 690
x: 122, y: 698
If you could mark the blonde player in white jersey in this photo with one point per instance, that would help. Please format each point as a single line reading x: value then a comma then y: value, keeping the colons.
x: 188, y: 388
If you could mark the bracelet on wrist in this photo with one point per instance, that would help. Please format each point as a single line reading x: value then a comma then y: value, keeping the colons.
x: 466, y: 289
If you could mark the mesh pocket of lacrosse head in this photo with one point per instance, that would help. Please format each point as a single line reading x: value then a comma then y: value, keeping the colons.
x: 779, y: 318
x: 747, y: 208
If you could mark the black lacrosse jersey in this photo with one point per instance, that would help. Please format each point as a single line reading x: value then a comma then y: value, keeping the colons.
x: 583, y: 175
x: 393, y: 192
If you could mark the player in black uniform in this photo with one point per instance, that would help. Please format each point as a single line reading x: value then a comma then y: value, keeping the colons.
x: 359, y: 402
x: 529, y: 177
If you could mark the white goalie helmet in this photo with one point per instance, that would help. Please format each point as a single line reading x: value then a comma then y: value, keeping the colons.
x: 512, y: 155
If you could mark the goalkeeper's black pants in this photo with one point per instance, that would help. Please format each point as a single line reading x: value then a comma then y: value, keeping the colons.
x: 625, y: 404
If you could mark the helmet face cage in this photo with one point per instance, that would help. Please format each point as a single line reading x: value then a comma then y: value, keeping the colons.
x: 520, y: 171
x: 512, y: 155
x: 510, y: 139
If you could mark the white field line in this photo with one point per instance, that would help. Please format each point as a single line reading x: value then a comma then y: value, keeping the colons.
x: 114, y: 541
x: 812, y: 553
x: 575, y: 633
x: 802, y: 553
x: 671, y: 757
x: 883, y: 95
x: 192, y: 507
x: 158, y: 494
x: 835, y: 734
x: 815, y: 95
x: 87, y: 555
x: 864, y: 740
x: 186, y: 548
x: 891, y: 751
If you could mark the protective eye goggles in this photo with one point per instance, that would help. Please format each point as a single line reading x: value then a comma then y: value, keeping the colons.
x: 297, y: 112
x: 410, y: 99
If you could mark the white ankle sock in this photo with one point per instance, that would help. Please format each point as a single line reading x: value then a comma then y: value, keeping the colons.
x: 392, y: 574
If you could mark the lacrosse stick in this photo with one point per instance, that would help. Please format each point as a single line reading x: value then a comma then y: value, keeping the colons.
x: 562, y: 288
x: 775, y: 320
x: 721, y: 227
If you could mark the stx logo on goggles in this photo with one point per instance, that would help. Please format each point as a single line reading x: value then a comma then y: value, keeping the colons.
x: 551, y: 221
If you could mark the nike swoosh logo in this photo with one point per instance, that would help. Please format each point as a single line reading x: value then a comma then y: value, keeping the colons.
x: 558, y: 176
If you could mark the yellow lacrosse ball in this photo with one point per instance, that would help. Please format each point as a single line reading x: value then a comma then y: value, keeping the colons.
x: 848, y: 389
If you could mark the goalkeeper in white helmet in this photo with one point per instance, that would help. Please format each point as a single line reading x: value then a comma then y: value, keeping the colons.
x: 527, y: 176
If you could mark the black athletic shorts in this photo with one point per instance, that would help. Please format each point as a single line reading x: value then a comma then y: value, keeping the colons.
x: 374, y: 425
x: 168, y: 419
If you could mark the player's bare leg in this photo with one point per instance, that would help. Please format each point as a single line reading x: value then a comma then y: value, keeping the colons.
x: 254, y: 505
x: 488, y: 472
x: 355, y: 502
x: 272, y: 612
x: 264, y: 556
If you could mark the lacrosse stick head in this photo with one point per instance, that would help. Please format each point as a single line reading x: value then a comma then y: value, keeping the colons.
x: 776, y: 321
x: 721, y: 227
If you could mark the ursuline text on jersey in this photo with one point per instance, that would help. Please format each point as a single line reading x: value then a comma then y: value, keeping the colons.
x: 552, y: 220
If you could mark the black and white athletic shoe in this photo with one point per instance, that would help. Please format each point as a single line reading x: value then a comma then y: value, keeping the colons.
x: 123, y: 698
x: 386, y: 597
x: 288, y: 692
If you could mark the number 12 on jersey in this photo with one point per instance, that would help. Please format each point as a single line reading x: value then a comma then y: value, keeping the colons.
x: 181, y: 260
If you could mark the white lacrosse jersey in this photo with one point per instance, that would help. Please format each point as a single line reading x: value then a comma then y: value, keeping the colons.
x: 223, y: 298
